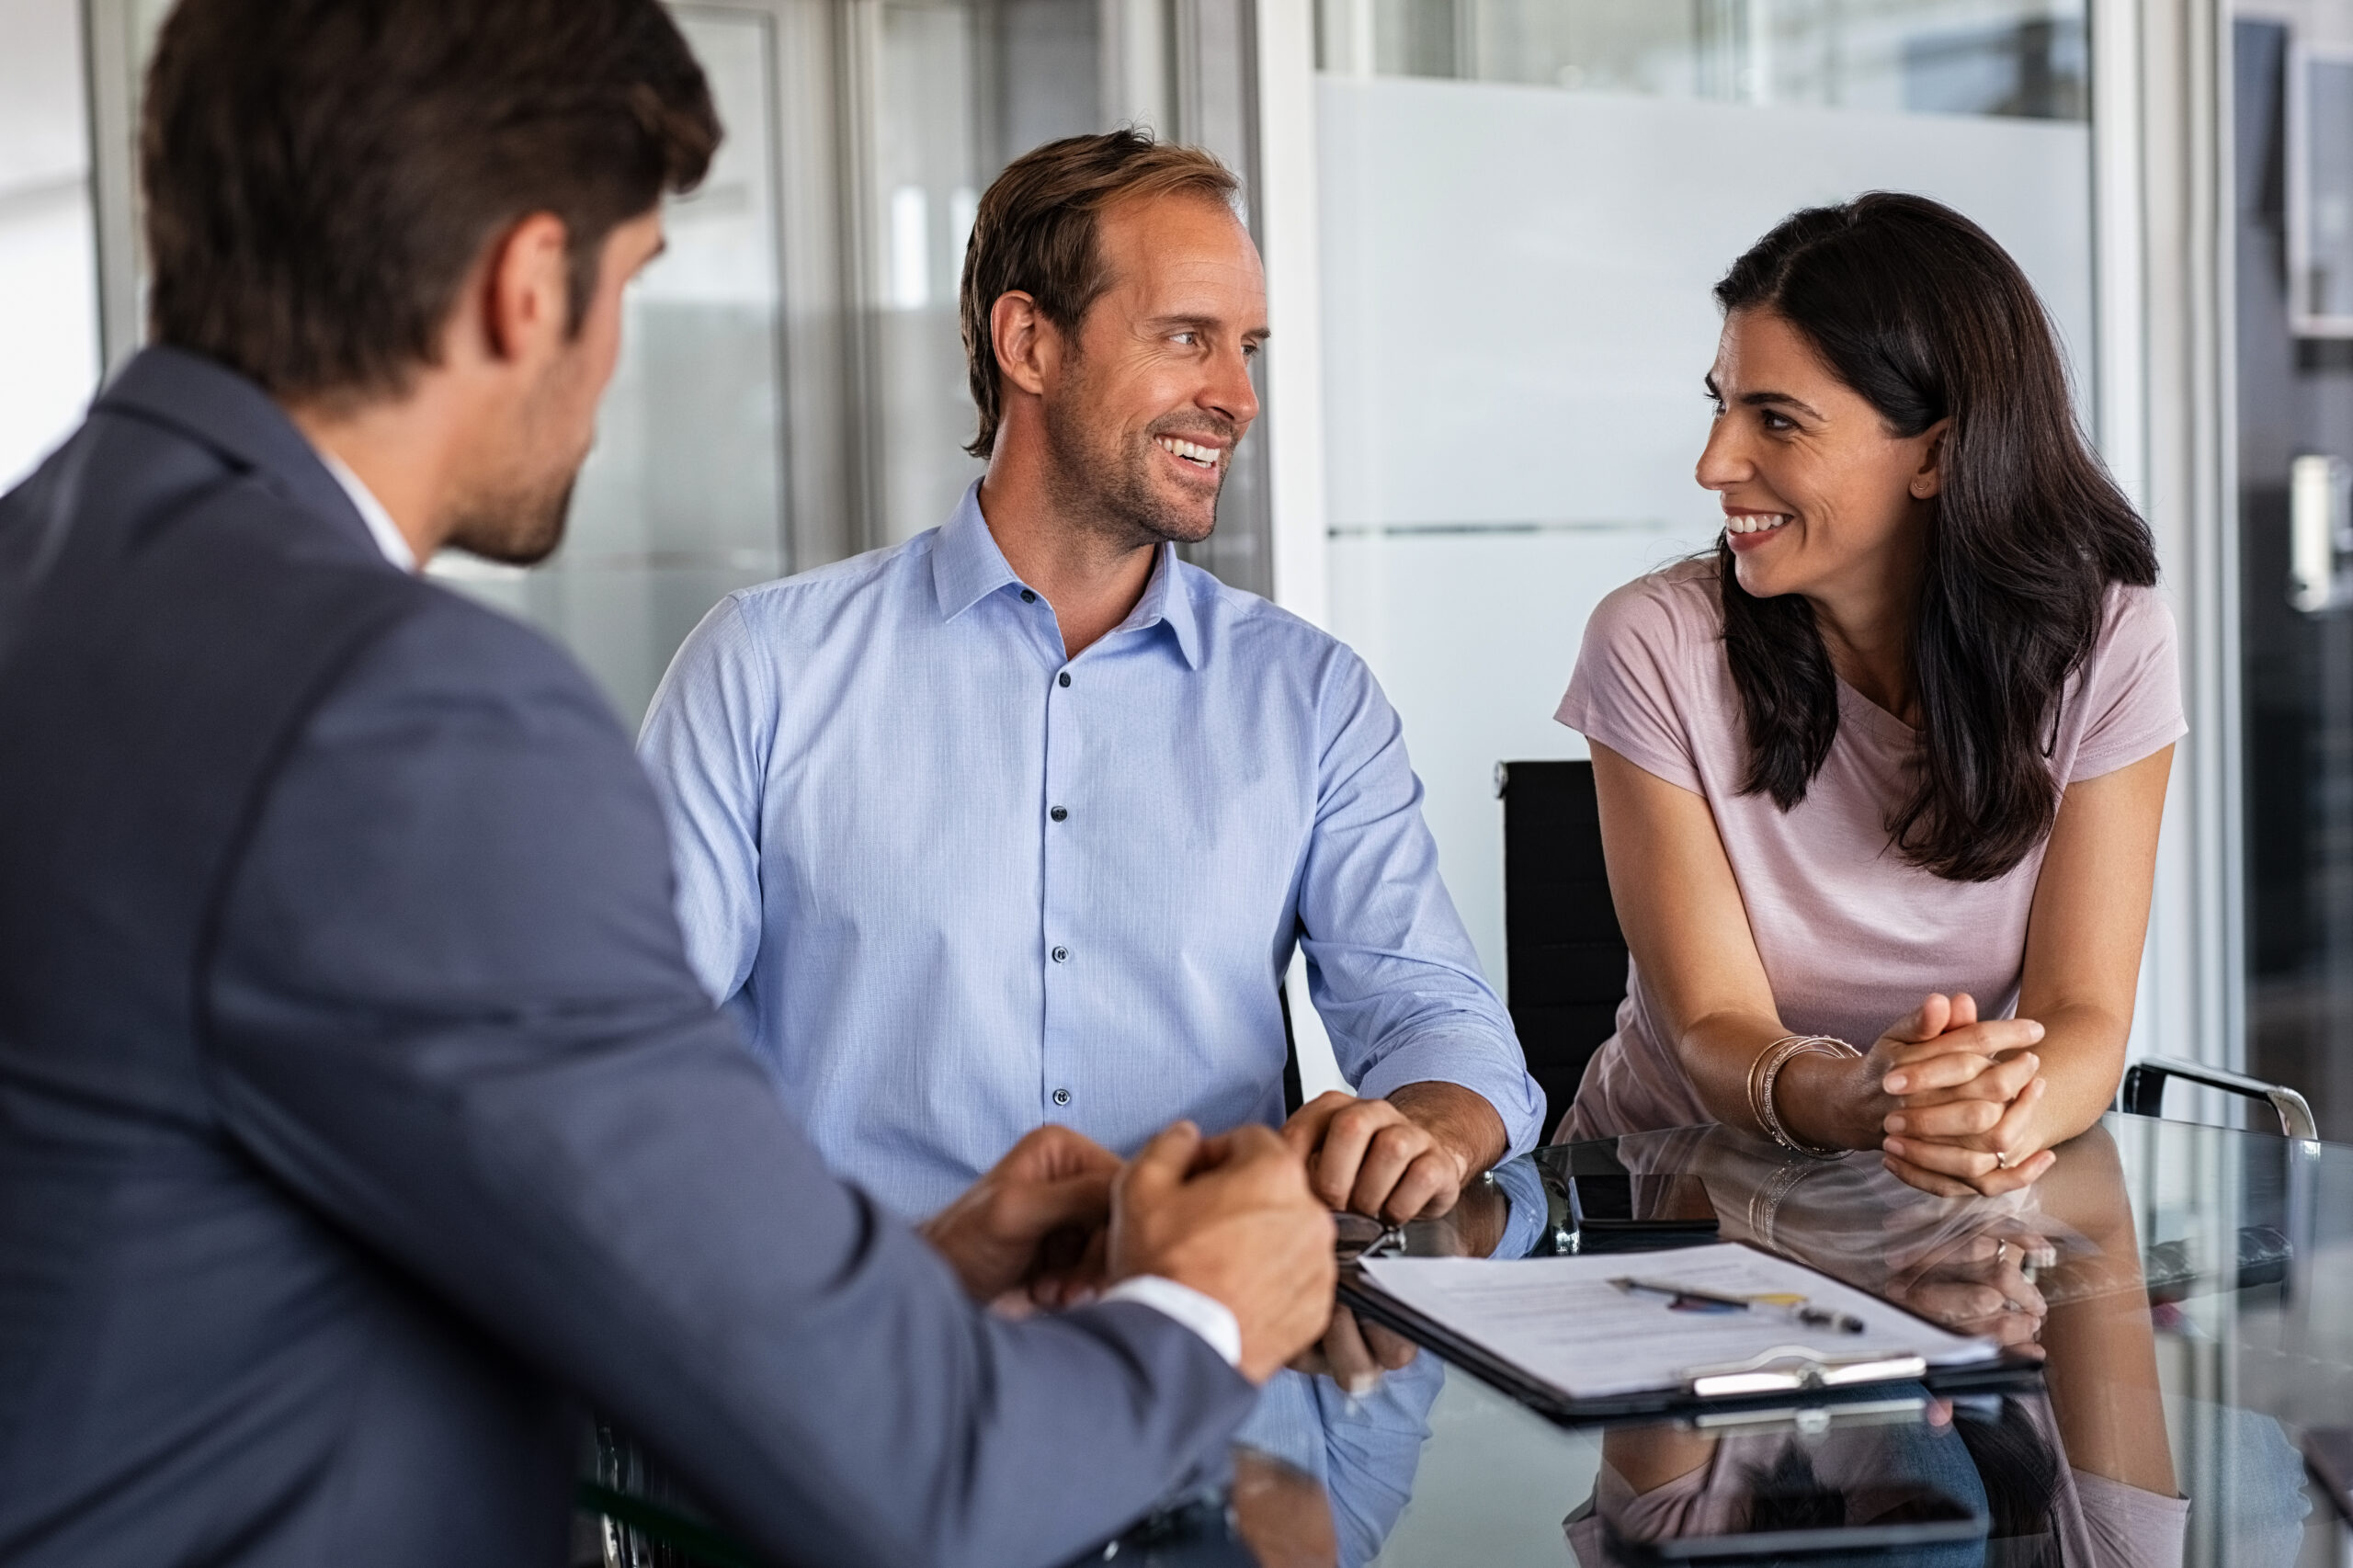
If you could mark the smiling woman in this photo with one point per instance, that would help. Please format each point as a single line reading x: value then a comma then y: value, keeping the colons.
x: 1900, y: 747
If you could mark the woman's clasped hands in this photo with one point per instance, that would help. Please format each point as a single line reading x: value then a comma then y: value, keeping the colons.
x: 1964, y: 1091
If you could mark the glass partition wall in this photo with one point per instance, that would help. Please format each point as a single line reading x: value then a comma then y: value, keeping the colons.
x: 792, y: 387
x: 1525, y: 205
x: 2293, y: 103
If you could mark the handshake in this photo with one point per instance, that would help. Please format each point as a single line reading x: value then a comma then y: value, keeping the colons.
x: 1233, y: 1217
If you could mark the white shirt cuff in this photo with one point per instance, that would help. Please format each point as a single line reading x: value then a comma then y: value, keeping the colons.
x: 1205, y: 1315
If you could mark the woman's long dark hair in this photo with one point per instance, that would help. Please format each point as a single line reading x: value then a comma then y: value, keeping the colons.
x: 1917, y: 310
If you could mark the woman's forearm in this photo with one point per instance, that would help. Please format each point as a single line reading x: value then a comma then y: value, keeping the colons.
x: 1717, y: 1052
x: 1837, y: 1102
x: 2085, y: 939
x: 1822, y: 1100
x: 2083, y: 1060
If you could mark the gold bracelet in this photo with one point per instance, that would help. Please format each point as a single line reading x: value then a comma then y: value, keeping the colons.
x: 1767, y: 1070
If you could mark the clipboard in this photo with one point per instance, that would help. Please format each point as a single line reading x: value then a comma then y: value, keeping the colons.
x: 1804, y: 1376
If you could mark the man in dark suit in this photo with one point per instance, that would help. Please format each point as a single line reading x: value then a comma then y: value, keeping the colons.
x: 358, y: 1112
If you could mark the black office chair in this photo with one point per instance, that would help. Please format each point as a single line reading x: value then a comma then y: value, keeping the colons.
x: 1565, y: 953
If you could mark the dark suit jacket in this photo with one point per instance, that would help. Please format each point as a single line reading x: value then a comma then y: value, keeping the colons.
x: 358, y: 1112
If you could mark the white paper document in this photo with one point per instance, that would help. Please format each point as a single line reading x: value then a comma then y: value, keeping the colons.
x: 1562, y: 1321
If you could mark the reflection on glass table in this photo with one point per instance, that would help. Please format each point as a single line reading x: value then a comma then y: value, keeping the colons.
x: 2186, y: 1290
x: 2080, y: 1472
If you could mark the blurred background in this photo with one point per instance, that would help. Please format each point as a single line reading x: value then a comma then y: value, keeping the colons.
x: 1490, y: 228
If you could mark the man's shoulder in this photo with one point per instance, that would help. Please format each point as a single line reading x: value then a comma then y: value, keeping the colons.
x: 453, y: 652
x: 859, y: 581
x: 1257, y: 625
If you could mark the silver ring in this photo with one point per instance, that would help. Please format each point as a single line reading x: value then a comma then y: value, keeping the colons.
x: 2002, y: 1158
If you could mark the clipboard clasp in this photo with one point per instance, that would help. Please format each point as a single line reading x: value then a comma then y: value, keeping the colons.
x: 1787, y: 1368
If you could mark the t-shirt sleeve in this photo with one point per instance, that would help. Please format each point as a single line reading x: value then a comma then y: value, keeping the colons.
x: 2132, y: 687
x: 1634, y: 666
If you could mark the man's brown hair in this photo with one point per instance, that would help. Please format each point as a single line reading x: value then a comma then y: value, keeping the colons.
x: 320, y: 174
x: 1035, y: 234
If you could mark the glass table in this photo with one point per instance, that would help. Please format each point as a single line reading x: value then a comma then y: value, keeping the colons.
x: 2185, y: 1293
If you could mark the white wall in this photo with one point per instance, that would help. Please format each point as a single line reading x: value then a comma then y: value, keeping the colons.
x: 49, y: 320
x: 1516, y: 318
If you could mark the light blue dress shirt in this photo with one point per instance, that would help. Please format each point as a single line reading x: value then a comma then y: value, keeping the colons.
x: 955, y: 885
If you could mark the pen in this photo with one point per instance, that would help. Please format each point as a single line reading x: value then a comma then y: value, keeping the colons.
x: 1798, y: 1307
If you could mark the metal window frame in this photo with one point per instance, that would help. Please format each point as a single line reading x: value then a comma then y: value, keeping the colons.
x: 1290, y: 221
x: 2302, y: 319
x: 2165, y: 410
x: 108, y: 54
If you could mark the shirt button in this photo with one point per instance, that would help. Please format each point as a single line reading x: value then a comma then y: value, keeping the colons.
x: 1060, y: 954
x: 1028, y: 597
x: 1062, y: 1096
x: 1063, y: 678
x: 1059, y: 812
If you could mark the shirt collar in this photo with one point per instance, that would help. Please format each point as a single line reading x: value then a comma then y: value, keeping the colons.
x: 1166, y: 599
x: 967, y: 567
x: 381, y: 526
x: 966, y: 564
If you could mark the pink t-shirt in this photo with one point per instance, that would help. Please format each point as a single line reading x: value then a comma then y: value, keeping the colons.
x: 1852, y: 935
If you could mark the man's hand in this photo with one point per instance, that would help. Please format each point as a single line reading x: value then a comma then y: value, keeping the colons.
x: 1355, y: 1352
x: 1407, y: 1157
x: 1027, y: 1223
x: 1232, y: 1218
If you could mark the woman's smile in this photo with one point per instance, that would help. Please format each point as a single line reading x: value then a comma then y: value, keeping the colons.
x: 1747, y: 531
